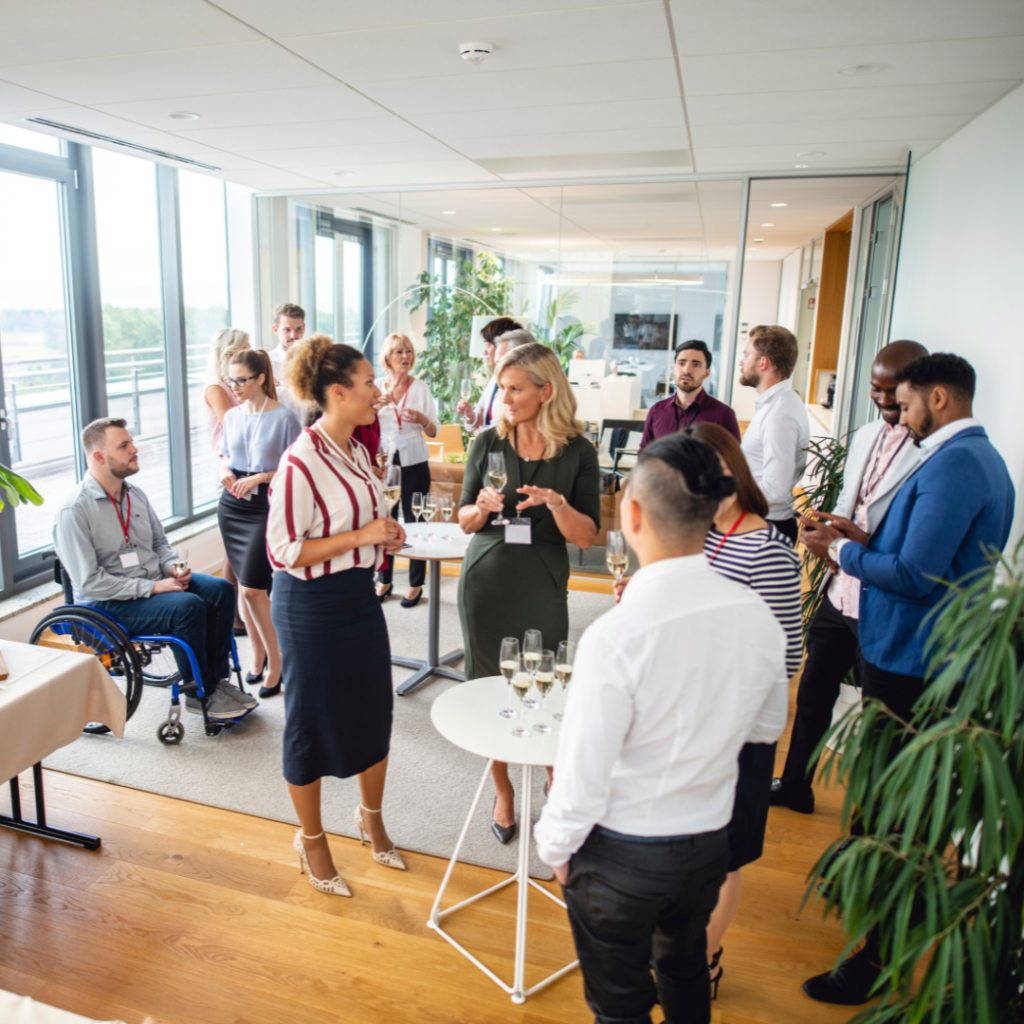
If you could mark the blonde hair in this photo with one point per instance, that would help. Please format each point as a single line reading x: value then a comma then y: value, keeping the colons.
x: 256, y: 361
x: 226, y: 342
x: 557, y: 417
x: 392, y: 343
x: 313, y: 364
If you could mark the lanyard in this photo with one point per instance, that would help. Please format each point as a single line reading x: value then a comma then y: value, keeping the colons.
x: 695, y: 406
x: 874, y: 474
x: 255, y: 433
x: 121, y: 519
x: 732, y: 530
x: 536, y: 465
x: 398, y: 410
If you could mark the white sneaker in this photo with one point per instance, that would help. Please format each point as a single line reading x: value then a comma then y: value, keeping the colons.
x: 232, y: 692
x: 219, y: 707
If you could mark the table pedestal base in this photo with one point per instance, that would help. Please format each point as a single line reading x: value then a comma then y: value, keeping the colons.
x: 39, y: 826
x: 434, y: 665
x: 517, y: 989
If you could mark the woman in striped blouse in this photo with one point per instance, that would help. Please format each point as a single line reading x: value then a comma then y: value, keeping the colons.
x: 328, y: 532
x: 745, y: 547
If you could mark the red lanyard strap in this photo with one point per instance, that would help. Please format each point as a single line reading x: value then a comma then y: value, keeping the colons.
x: 125, y: 523
x: 398, y: 411
x: 732, y: 530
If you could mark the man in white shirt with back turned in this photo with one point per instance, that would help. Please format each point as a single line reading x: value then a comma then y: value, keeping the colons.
x: 645, y: 777
x: 776, y: 441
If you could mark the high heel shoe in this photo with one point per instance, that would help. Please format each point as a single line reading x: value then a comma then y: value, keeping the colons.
x: 387, y: 593
x: 503, y: 833
x: 252, y: 678
x: 411, y: 602
x: 389, y: 858
x: 715, y: 978
x: 270, y: 691
x: 335, y: 887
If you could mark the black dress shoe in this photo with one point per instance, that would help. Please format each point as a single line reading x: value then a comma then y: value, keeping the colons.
x: 387, y: 593
x: 252, y: 678
x: 411, y: 602
x: 270, y: 691
x: 503, y: 833
x: 850, y: 984
x: 780, y: 796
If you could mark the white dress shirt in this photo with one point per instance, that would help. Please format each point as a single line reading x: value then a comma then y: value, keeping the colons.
x: 775, y: 445
x: 666, y: 689
x: 409, y: 439
x: 488, y: 401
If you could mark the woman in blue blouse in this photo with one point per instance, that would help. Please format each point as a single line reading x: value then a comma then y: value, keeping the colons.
x: 256, y: 434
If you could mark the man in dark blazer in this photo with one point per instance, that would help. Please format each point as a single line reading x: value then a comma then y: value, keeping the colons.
x: 949, y: 517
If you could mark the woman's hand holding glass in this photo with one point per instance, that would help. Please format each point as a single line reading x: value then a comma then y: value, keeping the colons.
x: 386, y: 532
x: 490, y: 500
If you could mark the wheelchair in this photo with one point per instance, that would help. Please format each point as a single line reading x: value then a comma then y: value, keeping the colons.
x: 132, y: 661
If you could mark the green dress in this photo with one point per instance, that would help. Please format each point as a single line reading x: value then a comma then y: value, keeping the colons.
x: 506, y: 589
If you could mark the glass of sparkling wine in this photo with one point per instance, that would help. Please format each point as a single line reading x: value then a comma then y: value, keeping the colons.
x: 521, y: 683
x: 496, y: 477
x: 510, y: 662
x: 563, y: 669
x: 447, y: 507
x: 181, y: 565
x: 615, y: 555
x: 533, y: 644
x: 429, y: 507
x: 392, y: 486
x: 382, y: 454
x: 417, y: 505
x: 545, y: 681
x: 466, y: 388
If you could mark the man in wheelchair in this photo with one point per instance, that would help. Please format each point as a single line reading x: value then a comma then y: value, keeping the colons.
x: 114, y: 548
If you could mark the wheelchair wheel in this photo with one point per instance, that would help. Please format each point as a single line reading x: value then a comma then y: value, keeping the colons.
x: 170, y: 733
x: 158, y: 665
x: 87, y: 631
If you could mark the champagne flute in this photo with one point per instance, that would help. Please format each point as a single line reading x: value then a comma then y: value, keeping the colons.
x: 521, y: 683
x: 466, y: 389
x: 417, y: 505
x: 382, y: 454
x: 563, y: 669
x: 545, y: 681
x: 447, y: 507
x: 392, y: 487
x: 181, y: 563
x: 533, y: 644
x: 497, y: 477
x: 429, y: 508
x: 509, y: 662
x: 615, y: 555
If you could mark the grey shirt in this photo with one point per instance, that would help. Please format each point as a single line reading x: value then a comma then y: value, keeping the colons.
x: 89, y: 541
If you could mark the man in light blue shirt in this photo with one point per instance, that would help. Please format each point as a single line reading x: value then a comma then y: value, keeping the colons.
x: 115, y: 551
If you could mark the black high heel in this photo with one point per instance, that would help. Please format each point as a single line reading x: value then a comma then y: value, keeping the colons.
x: 411, y: 602
x: 387, y: 593
x: 503, y: 833
x: 717, y: 977
x: 270, y: 691
x: 253, y: 678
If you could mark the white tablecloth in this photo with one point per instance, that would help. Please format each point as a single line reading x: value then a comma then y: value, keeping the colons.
x: 45, y: 702
x: 22, y: 1010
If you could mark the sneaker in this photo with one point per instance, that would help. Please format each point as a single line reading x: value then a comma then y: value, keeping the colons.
x: 218, y: 707
x: 232, y: 692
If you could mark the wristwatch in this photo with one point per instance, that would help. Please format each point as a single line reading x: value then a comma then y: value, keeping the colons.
x: 833, y: 549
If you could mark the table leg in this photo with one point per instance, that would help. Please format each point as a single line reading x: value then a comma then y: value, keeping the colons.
x: 525, y: 828
x: 39, y: 826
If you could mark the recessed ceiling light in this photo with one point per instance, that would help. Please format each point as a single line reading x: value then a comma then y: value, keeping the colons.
x: 758, y: 239
x: 448, y: 213
x: 345, y: 174
x: 861, y: 69
x: 495, y: 229
x: 801, y: 166
x: 767, y: 225
x: 780, y: 204
x: 813, y: 152
x: 183, y: 115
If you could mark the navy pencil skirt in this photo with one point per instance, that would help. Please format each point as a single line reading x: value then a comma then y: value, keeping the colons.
x: 336, y: 661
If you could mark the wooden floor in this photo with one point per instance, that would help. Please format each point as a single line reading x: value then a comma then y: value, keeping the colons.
x: 195, y: 915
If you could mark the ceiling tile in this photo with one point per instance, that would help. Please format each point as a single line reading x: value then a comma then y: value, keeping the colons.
x: 804, y: 135
x: 781, y: 157
x: 630, y: 80
x: 306, y: 16
x: 85, y: 117
x: 827, y: 104
x: 622, y: 141
x: 601, y: 36
x: 263, y: 106
x: 342, y: 157
x: 14, y: 98
x: 308, y: 134
x: 271, y: 178
x: 191, y: 72
x: 43, y: 31
x: 967, y: 60
x: 421, y: 172
x: 746, y: 26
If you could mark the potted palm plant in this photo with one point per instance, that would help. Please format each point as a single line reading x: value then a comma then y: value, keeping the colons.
x: 17, y: 489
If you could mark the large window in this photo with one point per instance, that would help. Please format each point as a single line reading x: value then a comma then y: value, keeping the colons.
x: 204, y: 272
x: 128, y: 240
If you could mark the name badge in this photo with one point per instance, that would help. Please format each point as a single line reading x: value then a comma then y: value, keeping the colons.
x: 519, y: 531
x: 129, y: 559
x: 400, y: 442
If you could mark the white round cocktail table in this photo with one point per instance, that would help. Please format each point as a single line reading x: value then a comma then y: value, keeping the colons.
x: 436, y: 543
x: 468, y: 716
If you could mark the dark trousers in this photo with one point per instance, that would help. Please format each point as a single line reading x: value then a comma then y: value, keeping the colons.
x: 414, y: 478
x: 202, y: 616
x: 632, y: 899
x: 788, y: 527
x: 831, y: 653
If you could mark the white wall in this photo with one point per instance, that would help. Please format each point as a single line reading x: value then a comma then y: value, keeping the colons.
x: 242, y: 259
x: 759, y: 304
x: 789, y: 292
x: 959, y: 285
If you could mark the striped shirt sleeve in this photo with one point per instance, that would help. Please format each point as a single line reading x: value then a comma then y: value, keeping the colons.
x: 775, y: 575
x: 292, y: 509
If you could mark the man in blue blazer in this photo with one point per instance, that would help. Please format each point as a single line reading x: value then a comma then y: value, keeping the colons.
x: 949, y: 516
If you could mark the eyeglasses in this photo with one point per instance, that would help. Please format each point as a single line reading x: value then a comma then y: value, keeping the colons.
x: 237, y: 382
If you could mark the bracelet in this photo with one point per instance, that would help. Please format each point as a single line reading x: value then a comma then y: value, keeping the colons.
x: 558, y: 508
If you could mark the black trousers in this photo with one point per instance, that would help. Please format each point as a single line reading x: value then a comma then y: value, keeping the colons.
x: 788, y: 527
x: 831, y: 652
x: 414, y: 478
x: 632, y: 899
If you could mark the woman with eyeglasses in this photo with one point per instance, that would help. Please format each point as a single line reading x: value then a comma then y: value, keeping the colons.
x: 256, y: 434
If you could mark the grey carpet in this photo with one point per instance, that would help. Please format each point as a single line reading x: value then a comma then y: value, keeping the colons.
x: 430, y: 784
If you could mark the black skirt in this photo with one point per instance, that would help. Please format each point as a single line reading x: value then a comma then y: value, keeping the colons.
x: 243, y: 527
x: 750, y: 813
x: 336, y: 661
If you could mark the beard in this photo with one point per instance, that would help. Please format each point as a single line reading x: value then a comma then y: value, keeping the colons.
x: 688, y: 386
x: 750, y: 378
x: 121, y: 472
x: 927, y: 423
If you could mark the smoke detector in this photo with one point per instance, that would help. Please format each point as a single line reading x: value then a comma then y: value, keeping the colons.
x: 475, y: 53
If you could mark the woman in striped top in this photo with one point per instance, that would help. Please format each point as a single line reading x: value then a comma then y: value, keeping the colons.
x: 746, y: 548
x: 327, y: 533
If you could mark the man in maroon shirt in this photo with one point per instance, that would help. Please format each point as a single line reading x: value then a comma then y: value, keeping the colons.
x: 691, y: 403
